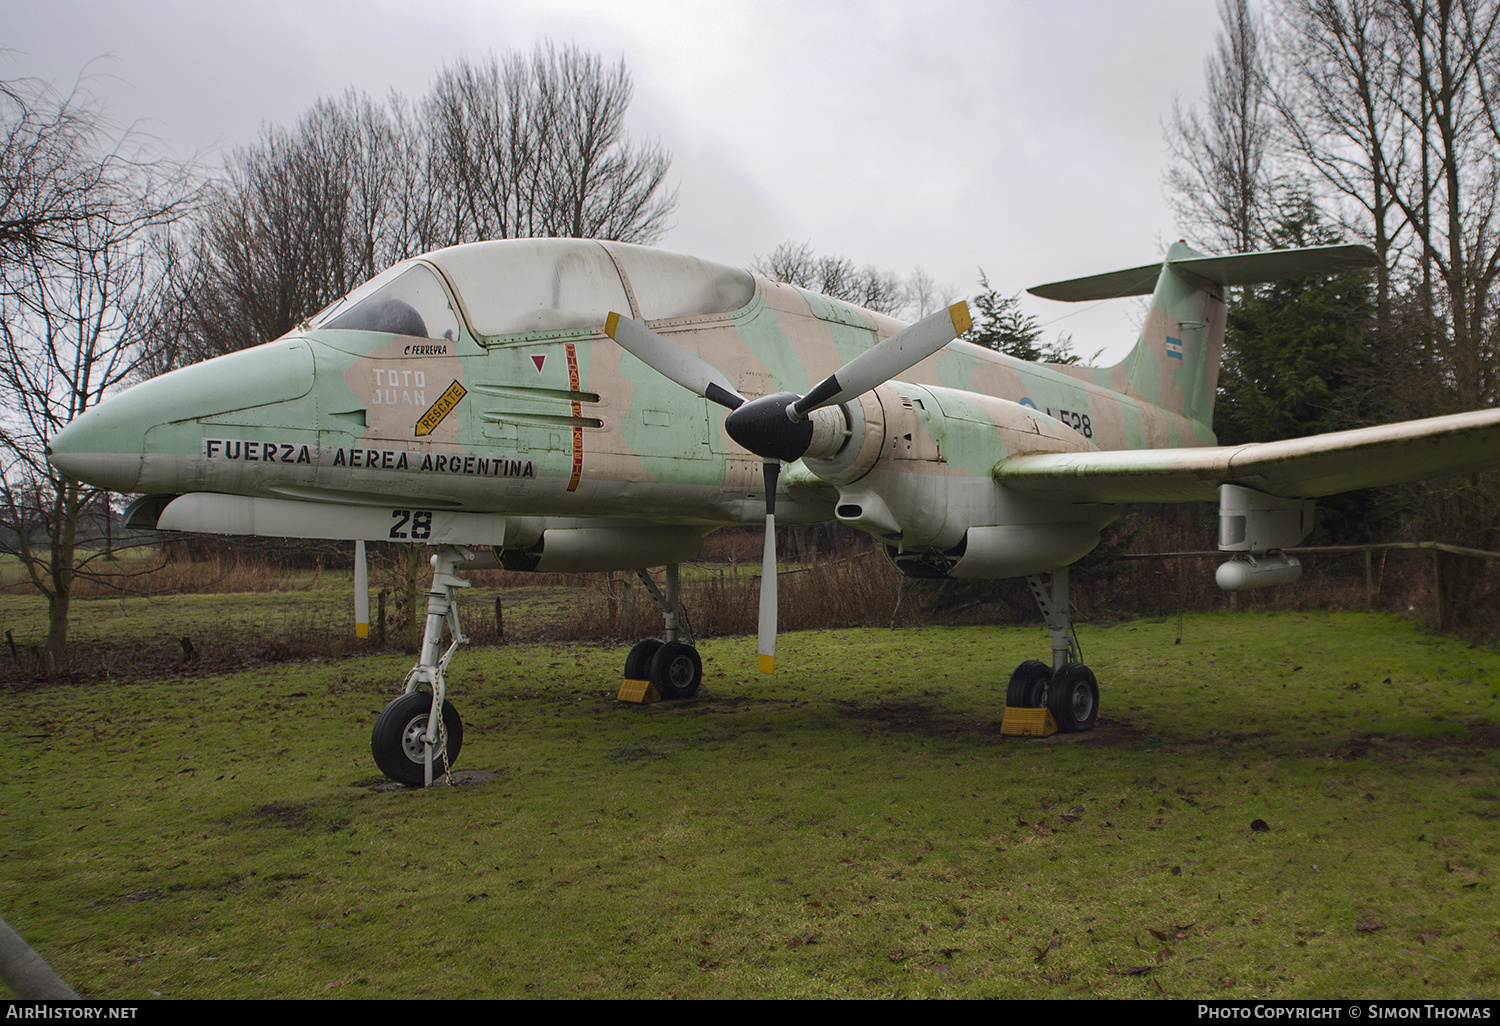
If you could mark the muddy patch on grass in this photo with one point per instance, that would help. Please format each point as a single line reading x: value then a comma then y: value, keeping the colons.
x: 918, y: 718
x: 1469, y: 739
x: 1476, y: 738
x: 458, y: 778
x: 290, y: 816
x: 1486, y: 735
x: 470, y: 777
x: 636, y: 753
x: 1106, y: 734
x: 704, y: 701
x: 925, y: 720
x: 297, y: 816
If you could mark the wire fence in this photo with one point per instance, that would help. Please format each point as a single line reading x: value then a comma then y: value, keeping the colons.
x: 1368, y: 551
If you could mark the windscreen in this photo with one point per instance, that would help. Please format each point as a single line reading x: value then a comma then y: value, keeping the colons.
x: 405, y: 300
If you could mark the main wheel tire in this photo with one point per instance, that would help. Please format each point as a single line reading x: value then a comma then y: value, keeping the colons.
x: 396, y: 741
x: 1074, y: 698
x: 1028, y: 685
x: 676, y: 670
x: 638, y: 662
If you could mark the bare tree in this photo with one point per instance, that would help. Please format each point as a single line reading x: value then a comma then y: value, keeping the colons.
x: 525, y: 147
x: 1450, y: 105
x: 296, y: 221
x: 417, y: 209
x: 1387, y: 110
x: 1221, y: 179
x: 1391, y: 104
x: 1336, y: 64
x: 838, y: 277
x: 924, y: 295
x: 535, y: 146
x: 1450, y: 196
x: 79, y: 293
x: 45, y: 188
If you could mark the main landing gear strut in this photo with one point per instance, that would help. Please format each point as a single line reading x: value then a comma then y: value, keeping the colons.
x: 1067, y: 687
x: 418, y: 735
x: 672, y: 665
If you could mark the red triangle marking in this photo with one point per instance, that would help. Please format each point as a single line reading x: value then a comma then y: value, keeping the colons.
x: 538, y: 359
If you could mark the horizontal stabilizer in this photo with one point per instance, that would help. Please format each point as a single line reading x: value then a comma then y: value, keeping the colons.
x: 1297, y: 468
x: 1236, y: 269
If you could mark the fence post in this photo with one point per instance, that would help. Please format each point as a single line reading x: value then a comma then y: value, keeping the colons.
x: 1369, y: 582
x: 1437, y: 589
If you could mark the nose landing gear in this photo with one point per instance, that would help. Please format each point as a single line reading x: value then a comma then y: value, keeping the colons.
x: 418, y: 735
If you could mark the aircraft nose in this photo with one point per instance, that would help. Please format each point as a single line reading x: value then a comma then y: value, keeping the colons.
x: 84, y: 451
x: 147, y: 439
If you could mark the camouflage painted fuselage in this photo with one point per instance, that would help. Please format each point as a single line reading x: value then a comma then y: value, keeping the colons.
x: 528, y: 410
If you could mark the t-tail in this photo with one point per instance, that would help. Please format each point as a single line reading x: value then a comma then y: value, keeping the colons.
x: 1175, y: 363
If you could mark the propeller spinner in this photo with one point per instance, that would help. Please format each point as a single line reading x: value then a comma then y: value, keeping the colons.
x: 779, y: 428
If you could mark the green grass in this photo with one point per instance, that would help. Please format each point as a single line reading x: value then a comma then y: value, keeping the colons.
x: 854, y: 826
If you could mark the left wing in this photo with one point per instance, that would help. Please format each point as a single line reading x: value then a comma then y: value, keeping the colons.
x: 1297, y: 468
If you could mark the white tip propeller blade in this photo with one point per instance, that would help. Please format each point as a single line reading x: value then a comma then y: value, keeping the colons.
x: 882, y: 363
x: 689, y: 371
x: 361, y: 592
x: 770, y: 470
x: 767, y: 631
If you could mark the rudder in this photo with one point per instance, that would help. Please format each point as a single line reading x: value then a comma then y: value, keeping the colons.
x: 1175, y: 362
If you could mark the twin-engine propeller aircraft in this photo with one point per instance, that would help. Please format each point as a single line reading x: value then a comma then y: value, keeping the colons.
x: 552, y: 405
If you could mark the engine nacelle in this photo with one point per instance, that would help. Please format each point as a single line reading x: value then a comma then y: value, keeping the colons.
x: 1007, y: 550
x: 916, y: 475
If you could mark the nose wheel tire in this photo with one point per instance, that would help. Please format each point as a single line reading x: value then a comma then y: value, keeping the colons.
x: 676, y: 670
x: 396, y: 741
x: 1073, y: 697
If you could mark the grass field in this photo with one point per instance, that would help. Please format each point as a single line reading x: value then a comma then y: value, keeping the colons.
x: 1281, y: 805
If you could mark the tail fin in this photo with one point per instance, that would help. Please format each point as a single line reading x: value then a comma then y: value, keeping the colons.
x: 1175, y: 364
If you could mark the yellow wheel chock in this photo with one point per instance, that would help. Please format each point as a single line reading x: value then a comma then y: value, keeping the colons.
x: 1028, y: 722
x: 642, y: 691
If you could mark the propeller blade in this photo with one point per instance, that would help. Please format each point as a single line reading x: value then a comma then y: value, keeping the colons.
x: 361, y: 592
x: 878, y: 365
x: 774, y: 427
x: 767, y: 629
x: 671, y: 361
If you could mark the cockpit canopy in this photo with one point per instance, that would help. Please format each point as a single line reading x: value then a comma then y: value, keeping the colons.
x: 516, y: 286
x: 406, y: 299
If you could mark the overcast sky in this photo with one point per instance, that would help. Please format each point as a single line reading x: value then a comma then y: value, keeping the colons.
x: 1020, y: 136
